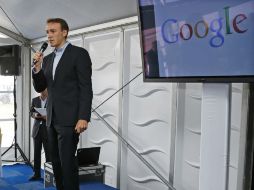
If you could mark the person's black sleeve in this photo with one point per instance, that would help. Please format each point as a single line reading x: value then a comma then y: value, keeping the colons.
x: 84, y: 72
x: 39, y: 81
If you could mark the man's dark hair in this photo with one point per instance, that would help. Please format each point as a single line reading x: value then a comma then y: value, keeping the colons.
x: 62, y: 22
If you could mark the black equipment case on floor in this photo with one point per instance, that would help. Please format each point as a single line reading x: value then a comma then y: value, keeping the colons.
x: 86, y: 174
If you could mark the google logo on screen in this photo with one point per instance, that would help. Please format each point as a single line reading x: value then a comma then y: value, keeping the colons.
x: 201, y: 29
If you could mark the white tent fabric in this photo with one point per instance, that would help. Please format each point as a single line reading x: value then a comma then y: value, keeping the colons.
x: 29, y: 16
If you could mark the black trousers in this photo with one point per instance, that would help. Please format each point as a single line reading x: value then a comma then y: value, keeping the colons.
x: 63, y: 142
x: 40, y: 139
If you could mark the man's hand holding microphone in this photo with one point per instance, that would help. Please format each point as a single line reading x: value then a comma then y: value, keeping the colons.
x: 38, y: 57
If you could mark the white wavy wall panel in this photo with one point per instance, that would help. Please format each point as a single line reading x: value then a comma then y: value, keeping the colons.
x: 105, y: 50
x: 187, y: 158
x: 147, y: 116
x: 187, y: 154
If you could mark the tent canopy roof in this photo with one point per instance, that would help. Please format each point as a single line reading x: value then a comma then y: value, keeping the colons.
x: 28, y: 17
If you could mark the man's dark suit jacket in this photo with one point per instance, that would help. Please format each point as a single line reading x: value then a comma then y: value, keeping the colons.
x: 70, y: 93
x: 36, y: 103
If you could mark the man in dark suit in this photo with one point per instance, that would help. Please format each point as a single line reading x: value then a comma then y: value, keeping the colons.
x: 39, y: 133
x: 66, y: 73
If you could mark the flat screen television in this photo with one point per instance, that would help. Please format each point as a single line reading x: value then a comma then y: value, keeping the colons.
x: 197, y: 40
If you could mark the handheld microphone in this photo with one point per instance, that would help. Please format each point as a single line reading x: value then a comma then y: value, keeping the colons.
x: 42, y: 49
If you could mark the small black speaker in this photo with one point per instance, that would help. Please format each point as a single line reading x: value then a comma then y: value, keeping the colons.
x: 10, y: 60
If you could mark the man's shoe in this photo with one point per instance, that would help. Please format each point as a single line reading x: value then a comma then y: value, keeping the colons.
x: 34, y: 178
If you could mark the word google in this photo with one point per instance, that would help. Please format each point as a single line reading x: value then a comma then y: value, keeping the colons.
x: 185, y: 31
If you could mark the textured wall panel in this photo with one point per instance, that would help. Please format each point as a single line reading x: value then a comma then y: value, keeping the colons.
x: 146, y: 122
x: 105, y: 51
x: 187, y: 158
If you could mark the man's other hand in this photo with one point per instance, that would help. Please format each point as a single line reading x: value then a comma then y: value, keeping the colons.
x: 81, y: 126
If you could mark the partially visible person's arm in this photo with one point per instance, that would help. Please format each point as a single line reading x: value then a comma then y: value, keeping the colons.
x: 32, y: 113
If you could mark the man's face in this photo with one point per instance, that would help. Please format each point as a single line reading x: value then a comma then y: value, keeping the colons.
x: 56, y: 36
